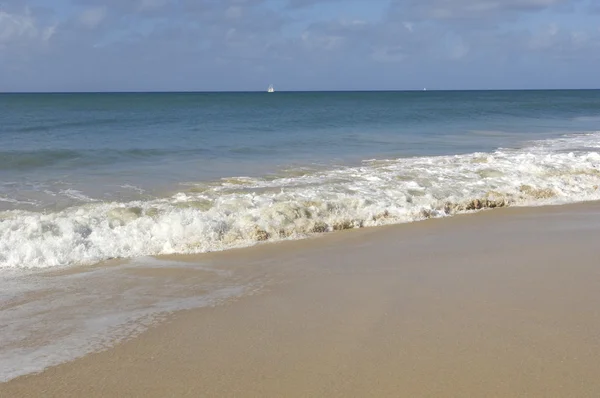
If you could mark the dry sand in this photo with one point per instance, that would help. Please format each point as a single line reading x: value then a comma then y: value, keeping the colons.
x: 499, y: 304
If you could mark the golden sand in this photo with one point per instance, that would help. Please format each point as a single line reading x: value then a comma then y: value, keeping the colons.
x: 505, y: 303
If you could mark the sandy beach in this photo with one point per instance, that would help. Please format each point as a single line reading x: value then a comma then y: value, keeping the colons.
x: 503, y: 303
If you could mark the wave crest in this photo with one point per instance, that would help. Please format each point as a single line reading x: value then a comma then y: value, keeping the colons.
x: 243, y: 211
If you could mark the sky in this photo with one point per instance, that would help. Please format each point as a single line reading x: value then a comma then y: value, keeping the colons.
x: 245, y: 45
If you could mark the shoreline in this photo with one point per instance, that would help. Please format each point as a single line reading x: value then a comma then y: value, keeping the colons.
x: 241, y: 211
x: 498, y: 303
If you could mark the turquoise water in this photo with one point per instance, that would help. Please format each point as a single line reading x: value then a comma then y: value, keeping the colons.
x: 87, y: 169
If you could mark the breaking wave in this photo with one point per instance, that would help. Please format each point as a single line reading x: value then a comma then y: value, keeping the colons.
x: 238, y: 212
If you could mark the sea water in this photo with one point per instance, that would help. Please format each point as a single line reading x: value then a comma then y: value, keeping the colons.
x: 88, y: 177
x: 85, y: 178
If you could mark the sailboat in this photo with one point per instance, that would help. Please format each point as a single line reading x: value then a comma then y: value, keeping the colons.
x: 270, y: 89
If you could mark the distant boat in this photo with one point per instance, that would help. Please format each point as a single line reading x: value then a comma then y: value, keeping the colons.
x: 270, y: 89
x: 424, y: 89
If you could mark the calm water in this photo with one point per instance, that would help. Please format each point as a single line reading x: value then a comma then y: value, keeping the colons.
x: 74, y: 165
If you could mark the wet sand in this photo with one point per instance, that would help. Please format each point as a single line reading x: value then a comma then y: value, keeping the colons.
x: 504, y: 303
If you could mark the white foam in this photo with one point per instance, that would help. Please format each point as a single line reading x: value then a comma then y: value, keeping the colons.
x: 16, y: 201
x: 76, y: 194
x: 133, y: 188
x: 242, y: 211
x: 51, y: 319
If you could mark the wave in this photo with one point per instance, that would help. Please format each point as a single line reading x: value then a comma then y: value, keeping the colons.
x: 591, y: 118
x: 23, y: 160
x: 57, y: 125
x: 243, y: 211
x: 28, y: 160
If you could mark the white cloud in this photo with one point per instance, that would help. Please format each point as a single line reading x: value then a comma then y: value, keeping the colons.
x: 545, y: 38
x: 353, y: 23
x: 145, y: 5
x: 459, y: 50
x: 460, y: 9
x: 48, y: 33
x: 92, y: 17
x: 412, y: 35
x: 14, y: 26
x: 233, y: 12
x: 321, y: 41
x: 392, y: 54
x: 18, y: 28
x: 579, y: 39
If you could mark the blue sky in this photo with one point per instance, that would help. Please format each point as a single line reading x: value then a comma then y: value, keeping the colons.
x: 163, y: 45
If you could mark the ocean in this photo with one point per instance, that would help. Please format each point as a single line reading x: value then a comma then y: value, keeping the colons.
x: 102, y: 196
x: 90, y: 177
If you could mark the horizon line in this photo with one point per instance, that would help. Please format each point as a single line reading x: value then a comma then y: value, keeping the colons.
x: 293, y: 91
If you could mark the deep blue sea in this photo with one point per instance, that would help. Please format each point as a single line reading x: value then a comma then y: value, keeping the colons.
x: 87, y: 177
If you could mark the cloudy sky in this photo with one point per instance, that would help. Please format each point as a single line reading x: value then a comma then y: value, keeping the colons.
x: 131, y: 45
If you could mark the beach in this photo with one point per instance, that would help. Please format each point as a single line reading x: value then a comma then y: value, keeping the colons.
x: 502, y: 303
x: 235, y: 198
x: 299, y: 244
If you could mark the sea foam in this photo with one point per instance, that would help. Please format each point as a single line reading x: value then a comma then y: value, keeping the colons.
x: 51, y: 319
x: 237, y: 212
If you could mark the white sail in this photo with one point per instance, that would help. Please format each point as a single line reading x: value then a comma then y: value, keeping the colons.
x: 270, y: 89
